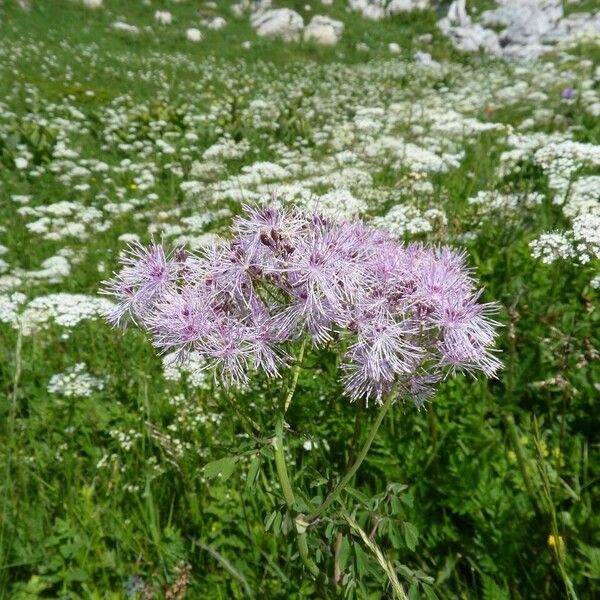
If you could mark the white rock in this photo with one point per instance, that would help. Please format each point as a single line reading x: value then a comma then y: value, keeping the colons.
x: 457, y: 13
x: 373, y: 12
x: 122, y: 26
x: 526, y: 21
x: 237, y: 9
x: 193, y: 34
x: 576, y: 23
x: 399, y: 6
x: 257, y: 5
x: 475, y: 37
x: 370, y: 9
x: 425, y: 38
x: 378, y: 9
x: 530, y: 27
x: 164, y: 17
x: 281, y: 23
x: 93, y: 4
x: 326, y: 2
x: 424, y: 58
x: 217, y: 23
x: 465, y: 34
x: 323, y: 30
x: 394, y: 48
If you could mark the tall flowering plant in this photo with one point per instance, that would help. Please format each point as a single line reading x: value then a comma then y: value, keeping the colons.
x: 401, y: 317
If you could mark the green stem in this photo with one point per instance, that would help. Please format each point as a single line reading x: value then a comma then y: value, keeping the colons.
x: 513, y: 433
x: 295, y: 375
x: 352, y: 470
x: 559, y: 544
x: 290, y: 499
x: 282, y: 472
x: 384, y: 562
x: 248, y: 423
x: 16, y: 380
x: 309, y: 563
x: 355, y: 434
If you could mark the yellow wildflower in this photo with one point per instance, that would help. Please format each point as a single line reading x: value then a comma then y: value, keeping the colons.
x: 557, y: 544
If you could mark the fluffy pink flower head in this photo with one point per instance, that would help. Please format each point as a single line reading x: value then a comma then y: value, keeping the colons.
x: 401, y: 316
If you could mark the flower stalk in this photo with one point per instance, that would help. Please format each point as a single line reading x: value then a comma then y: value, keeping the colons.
x: 355, y: 466
x: 296, y: 373
x: 280, y: 465
x: 397, y: 589
x: 290, y: 499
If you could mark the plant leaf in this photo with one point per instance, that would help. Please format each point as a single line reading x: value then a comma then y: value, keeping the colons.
x: 253, y: 472
x: 411, y: 535
x: 222, y: 468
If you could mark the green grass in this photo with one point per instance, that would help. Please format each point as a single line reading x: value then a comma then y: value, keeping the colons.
x: 70, y: 528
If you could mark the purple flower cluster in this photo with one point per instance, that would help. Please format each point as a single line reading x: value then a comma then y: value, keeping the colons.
x: 402, y: 315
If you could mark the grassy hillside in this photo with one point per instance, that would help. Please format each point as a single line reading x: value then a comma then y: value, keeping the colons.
x: 490, y: 491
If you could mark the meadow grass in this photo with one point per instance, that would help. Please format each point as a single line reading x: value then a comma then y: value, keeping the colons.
x: 103, y: 493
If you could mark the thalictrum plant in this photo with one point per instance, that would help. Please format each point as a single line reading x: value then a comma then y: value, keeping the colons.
x: 400, y: 317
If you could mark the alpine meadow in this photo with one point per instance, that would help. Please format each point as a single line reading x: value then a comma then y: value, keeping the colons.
x: 299, y: 299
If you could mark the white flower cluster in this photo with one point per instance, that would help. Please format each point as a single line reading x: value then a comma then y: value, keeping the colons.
x: 341, y: 204
x: 75, y: 382
x: 586, y: 237
x: 125, y: 439
x: 562, y: 161
x: 189, y: 415
x: 10, y: 307
x: 64, y: 219
x: 550, y: 247
x: 581, y: 243
x: 586, y: 36
x: 579, y: 197
x: 406, y: 219
x: 227, y: 149
x: 493, y: 202
x: 523, y: 146
x: 583, y: 197
x: 64, y: 310
x: 192, y: 370
x: 52, y: 270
